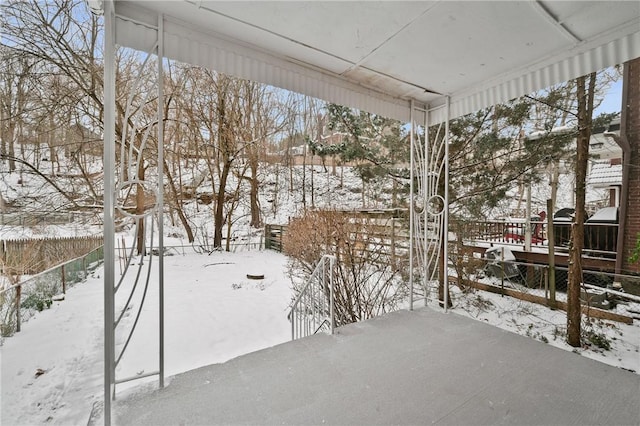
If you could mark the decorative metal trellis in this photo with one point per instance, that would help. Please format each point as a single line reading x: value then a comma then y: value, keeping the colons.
x: 137, y: 201
x: 429, y: 206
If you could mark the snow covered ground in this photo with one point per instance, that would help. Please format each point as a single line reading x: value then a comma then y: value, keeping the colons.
x: 52, y: 370
x: 549, y: 326
x: 212, y: 313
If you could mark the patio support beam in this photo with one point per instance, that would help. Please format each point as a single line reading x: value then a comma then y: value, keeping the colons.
x: 109, y: 193
x: 426, y: 185
x: 160, y: 200
x: 446, y: 203
x: 411, y: 201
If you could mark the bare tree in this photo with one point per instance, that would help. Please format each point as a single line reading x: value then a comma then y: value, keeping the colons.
x: 16, y: 83
x: 174, y: 130
x: 215, y: 110
x: 62, y: 38
x: 585, y: 96
x: 253, y: 130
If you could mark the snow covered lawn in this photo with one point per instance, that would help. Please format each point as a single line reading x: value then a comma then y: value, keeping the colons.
x: 212, y: 313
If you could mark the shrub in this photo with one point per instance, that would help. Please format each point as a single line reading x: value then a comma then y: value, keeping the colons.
x: 599, y: 339
x: 37, y: 301
x: 368, y: 279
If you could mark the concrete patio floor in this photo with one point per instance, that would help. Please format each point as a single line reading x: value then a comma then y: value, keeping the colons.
x: 420, y: 367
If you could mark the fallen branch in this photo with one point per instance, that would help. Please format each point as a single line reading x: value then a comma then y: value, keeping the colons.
x: 219, y: 263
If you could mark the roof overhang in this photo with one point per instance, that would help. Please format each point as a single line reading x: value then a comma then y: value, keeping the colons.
x: 378, y: 56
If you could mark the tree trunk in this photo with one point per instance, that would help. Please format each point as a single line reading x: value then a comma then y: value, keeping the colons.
x: 364, y: 190
x: 11, y: 151
x: 442, y: 270
x: 181, y: 215
x: 256, y: 220
x: 4, y: 135
x: 585, y: 111
x: 276, y: 190
x: 224, y: 154
x: 289, y: 161
x: 51, y: 134
x: 227, y: 247
x: 304, y: 177
x: 3, y: 204
x: 313, y: 189
x: 554, y: 176
x: 218, y: 218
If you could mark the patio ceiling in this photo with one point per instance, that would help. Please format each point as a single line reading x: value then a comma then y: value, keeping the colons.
x: 378, y: 56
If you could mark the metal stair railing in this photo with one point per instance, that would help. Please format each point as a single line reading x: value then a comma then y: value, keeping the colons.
x: 313, y: 309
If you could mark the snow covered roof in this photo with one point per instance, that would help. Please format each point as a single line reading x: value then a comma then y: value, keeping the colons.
x: 604, y: 148
x: 380, y: 55
x: 604, y: 174
x: 607, y: 214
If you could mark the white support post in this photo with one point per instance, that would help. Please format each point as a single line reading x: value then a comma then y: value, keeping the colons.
x: 446, y: 205
x: 109, y: 217
x: 411, y: 204
x: 427, y: 191
x: 160, y: 201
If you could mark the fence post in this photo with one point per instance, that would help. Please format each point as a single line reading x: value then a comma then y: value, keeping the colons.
x: 18, y: 294
x: 502, y: 273
x: 64, y: 280
x: 267, y: 236
x: 546, y: 285
x: 393, y: 242
x: 332, y: 314
x: 552, y: 256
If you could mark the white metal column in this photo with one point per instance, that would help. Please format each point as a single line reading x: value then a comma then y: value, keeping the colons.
x: 446, y: 204
x: 160, y: 200
x: 412, y: 242
x: 429, y: 201
x: 109, y: 192
x: 126, y: 295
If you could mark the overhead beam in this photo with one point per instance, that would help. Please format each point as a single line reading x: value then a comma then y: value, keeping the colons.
x: 553, y: 20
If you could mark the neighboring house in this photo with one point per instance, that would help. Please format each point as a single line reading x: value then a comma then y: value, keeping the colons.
x: 607, y: 174
x: 604, y: 172
x: 605, y: 165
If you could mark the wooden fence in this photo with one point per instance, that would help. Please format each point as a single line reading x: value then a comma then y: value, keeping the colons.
x: 599, y: 238
x: 31, y: 256
x: 273, y: 237
x: 540, y: 300
x: 20, y: 301
x: 30, y: 219
x: 386, y: 230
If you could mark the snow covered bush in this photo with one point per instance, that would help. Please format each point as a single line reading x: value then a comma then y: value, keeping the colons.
x: 368, y: 279
x: 37, y: 301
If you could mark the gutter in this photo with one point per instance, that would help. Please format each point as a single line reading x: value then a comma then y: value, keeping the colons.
x: 623, y: 142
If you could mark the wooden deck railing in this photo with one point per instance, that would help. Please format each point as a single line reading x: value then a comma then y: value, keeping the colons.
x: 598, y: 238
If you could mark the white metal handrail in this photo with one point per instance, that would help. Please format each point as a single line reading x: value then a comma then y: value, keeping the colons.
x: 313, y: 309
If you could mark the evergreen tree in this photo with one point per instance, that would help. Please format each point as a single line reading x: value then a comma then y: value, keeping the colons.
x: 377, y: 146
